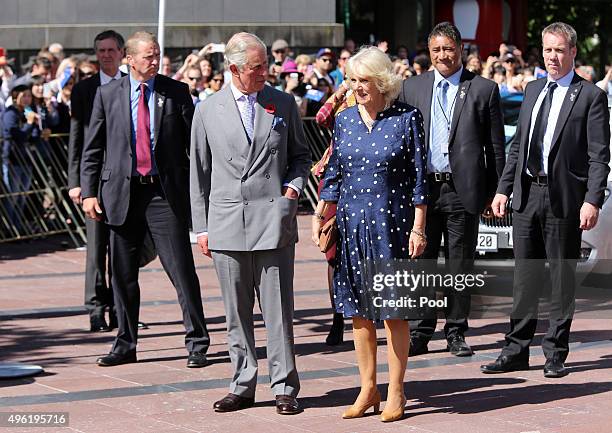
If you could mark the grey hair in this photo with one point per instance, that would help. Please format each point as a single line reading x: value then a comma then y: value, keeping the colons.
x: 560, y: 28
x: 236, y: 48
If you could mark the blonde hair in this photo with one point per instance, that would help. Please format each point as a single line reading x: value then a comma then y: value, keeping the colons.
x: 131, y: 45
x: 303, y: 59
x: 372, y: 63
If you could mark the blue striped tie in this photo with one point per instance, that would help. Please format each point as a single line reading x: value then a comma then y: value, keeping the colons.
x: 439, y: 131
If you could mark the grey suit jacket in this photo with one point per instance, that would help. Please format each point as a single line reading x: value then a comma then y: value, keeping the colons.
x: 236, y: 186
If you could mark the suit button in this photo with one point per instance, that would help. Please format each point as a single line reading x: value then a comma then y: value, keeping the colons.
x: 127, y: 177
x: 272, y: 151
x: 245, y: 202
x: 242, y: 180
x: 271, y: 199
x: 267, y: 176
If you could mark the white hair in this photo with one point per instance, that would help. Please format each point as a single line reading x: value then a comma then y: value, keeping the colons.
x: 371, y: 62
x: 237, y: 46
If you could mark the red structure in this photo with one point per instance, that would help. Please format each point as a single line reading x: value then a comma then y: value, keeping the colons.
x: 486, y: 23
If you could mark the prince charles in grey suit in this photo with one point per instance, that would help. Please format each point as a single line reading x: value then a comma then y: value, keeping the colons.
x: 249, y: 162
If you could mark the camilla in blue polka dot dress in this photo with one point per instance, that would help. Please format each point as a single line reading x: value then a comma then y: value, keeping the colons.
x: 376, y: 177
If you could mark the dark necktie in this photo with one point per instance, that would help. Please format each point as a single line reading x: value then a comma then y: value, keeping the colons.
x: 143, y: 134
x: 536, y: 146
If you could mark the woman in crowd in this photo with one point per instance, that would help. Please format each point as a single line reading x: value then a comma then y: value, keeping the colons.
x: 376, y: 178
x: 20, y: 129
x: 216, y: 84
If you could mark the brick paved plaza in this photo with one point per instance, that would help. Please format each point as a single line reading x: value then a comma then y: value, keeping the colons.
x: 42, y: 322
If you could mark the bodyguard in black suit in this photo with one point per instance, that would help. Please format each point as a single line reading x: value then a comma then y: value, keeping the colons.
x: 135, y: 177
x: 108, y: 46
x: 465, y: 157
x: 557, y: 170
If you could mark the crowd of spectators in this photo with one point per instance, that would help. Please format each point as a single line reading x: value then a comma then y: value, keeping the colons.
x: 310, y: 76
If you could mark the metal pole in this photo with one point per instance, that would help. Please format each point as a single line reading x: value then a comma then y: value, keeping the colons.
x: 161, y: 22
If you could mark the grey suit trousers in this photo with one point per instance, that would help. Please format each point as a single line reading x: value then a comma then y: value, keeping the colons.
x: 98, y: 290
x: 269, y: 273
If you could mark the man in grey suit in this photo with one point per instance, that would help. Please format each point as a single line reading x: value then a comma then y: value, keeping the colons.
x: 249, y: 162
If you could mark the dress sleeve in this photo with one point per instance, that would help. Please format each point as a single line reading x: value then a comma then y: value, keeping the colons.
x: 332, y: 181
x: 416, y: 142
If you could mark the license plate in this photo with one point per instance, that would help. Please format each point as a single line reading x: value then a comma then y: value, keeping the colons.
x: 487, y: 242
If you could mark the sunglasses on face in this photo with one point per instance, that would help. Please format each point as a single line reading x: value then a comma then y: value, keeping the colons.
x: 87, y: 73
x: 218, y: 80
x: 279, y: 51
x: 344, y: 58
x: 325, y: 59
x: 194, y: 78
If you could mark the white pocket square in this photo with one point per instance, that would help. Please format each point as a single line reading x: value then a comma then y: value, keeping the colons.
x: 278, y: 121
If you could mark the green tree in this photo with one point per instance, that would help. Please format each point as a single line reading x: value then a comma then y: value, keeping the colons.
x: 590, y: 18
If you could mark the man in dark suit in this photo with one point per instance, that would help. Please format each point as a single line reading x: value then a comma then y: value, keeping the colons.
x: 108, y: 46
x: 465, y: 157
x: 135, y: 177
x: 557, y: 170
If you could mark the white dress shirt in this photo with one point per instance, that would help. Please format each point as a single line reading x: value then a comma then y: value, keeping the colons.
x: 563, y: 84
x: 105, y: 79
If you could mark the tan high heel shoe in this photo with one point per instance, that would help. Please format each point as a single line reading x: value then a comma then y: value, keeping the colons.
x: 395, y: 414
x: 357, y: 412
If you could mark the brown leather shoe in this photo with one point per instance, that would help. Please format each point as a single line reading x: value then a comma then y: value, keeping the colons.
x: 287, y: 405
x: 233, y: 402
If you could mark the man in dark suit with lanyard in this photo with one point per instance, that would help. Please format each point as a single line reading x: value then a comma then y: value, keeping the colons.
x: 108, y: 47
x: 135, y: 176
x: 557, y: 171
x: 465, y: 157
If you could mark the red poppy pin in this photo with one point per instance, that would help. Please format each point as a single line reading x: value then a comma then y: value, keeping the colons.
x: 270, y: 108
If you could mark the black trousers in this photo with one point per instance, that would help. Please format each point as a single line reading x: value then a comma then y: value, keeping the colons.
x: 538, y: 237
x: 447, y: 217
x: 149, y: 210
x: 98, y: 290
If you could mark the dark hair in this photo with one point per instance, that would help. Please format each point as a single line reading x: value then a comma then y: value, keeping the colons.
x: 446, y: 29
x: 41, y: 61
x: 109, y: 34
x: 15, y: 91
x: 499, y: 70
x: 423, y: 61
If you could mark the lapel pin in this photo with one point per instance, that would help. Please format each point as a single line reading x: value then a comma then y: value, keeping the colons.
x: 573, y: 96
x: 160, y: 102
x: 462, y: 94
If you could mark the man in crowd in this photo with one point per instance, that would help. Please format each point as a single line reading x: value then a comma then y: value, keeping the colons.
x: 465, y: 157
x: 134, y: 176
x: 41, y: 67
x: 557, y: 170
x: 249, y: 162
x: 108, y: 47
x: 324, y: 64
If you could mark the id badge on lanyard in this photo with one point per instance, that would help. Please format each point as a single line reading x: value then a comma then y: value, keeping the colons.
x: 444, y: 147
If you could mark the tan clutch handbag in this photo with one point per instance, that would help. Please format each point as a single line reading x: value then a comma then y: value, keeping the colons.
x: 329, y: 235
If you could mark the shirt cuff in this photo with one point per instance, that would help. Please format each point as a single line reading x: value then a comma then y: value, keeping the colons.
x: 201, y: 234
x: 293, y: 187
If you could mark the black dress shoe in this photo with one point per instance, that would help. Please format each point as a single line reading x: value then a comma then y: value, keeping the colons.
x: 113, y: 359
x: 457, y: 346
x: 555, y: 368
x: 233, y: 402
x: 98, y: 324
x: 336, y: 333
x: 197, y: 360
x: 505, y: 364
x: 417, y: 347
x: 287, y: 405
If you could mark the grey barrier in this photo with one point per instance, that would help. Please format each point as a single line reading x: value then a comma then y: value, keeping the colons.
x: 34, y: 203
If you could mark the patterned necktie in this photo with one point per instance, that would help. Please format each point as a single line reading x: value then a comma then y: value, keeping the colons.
x: 143, y: 134
x: 439, y: 136
x: 535, y: 163
x: 247, y: 111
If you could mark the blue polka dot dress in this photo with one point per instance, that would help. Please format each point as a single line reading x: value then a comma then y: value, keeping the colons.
x: 376, y: 178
